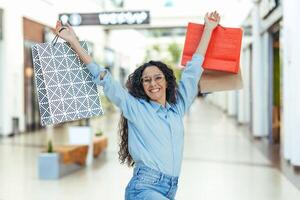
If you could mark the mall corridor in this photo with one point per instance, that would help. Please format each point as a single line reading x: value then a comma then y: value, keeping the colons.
x: 220, y: 162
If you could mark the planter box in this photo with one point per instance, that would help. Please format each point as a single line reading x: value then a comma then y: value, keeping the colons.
x: 50, y: 166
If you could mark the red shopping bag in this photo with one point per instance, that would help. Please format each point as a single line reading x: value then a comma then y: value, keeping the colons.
x: 223, y: 53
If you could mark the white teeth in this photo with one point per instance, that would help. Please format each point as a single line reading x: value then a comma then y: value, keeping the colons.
x: 154, y: 90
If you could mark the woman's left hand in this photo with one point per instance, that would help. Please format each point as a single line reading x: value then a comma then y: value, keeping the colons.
x: 66, y: 32
x: 212, y: 20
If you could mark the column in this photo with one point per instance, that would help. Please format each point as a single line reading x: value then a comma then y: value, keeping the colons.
x: 291, y: 82
x: 259, y: 108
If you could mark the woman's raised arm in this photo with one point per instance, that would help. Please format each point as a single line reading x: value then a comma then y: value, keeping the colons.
x: 188, y: 85
x: 211, y: 22
x: 112, y: 89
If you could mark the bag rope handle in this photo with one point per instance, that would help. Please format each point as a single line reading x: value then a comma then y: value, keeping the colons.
x: 54, y: 41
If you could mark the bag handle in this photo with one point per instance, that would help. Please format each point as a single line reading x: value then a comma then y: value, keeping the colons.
x: 54, y: 41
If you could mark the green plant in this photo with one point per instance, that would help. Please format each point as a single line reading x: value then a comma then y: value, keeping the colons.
x: 50, y: 147
x: 99, y: 133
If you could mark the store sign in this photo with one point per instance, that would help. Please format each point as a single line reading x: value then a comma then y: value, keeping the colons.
x: 1, y: 24
x: 267, y: 6
x: 106, y: 18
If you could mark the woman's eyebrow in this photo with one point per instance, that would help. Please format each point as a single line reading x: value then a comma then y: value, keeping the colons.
x: 151, y: 75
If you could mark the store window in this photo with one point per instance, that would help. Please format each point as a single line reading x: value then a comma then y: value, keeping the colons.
x: 34, y: 32
x: 275, y: 85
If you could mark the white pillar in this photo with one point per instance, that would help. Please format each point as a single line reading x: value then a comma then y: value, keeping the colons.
x: 291, y: 81
x: 11, y: 76
x: 244, y: 94
x: 232, y: 103
x: 1, y: 79
x: 258, y: 108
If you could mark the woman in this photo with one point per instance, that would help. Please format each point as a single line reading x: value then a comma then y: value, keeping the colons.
x: 151, y: 126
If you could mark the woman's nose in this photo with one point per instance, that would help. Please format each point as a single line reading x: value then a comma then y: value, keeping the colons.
x: 153, y: 82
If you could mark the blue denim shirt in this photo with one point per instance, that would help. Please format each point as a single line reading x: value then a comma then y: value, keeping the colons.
x: 155, y: 133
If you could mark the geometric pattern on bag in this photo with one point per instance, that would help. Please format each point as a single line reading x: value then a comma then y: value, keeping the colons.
x: 65, y: 89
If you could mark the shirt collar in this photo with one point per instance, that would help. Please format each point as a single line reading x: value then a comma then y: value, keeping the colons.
x: 156, y: 106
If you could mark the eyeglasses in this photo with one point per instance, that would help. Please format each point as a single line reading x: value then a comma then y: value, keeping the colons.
x: 158, y: 78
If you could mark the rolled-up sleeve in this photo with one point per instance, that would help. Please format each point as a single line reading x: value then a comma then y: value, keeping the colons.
x: 113, y: 90
x: 95, y: 70
x: 188, y: 85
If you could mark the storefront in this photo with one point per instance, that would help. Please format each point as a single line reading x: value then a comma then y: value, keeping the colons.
x: 34, y: 32
x: 275, y: 86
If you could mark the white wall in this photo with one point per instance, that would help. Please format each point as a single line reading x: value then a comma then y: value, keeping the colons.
x: 291, y: 81
x: 12, y: 68
x: 1, y: 80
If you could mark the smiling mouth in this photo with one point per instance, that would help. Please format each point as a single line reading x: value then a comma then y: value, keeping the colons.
x: 154, y: 90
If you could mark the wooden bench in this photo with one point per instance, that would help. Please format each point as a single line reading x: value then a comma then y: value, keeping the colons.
x: 77, y: 153
x: 69, y: 158
x: 72, y: 153
x: 100, y: 144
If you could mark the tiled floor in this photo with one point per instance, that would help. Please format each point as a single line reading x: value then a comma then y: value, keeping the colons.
x: 219, y: 163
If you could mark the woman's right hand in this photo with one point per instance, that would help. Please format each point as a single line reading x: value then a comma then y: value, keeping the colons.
x: 212, y: 20
x: 65, y: 32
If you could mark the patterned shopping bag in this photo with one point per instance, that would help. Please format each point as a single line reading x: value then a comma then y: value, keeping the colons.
x: 64, y: 85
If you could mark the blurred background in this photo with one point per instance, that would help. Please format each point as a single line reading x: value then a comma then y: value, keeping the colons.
x: 238, y: 144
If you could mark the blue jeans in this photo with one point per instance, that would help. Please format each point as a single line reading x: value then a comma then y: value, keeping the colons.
x: 149, y: 184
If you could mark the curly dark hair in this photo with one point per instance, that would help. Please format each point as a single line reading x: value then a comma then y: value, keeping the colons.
x: 135, y: 88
